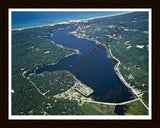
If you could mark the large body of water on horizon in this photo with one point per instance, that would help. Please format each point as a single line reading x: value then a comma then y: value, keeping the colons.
x: 26, y: 19
x: 99, y: 72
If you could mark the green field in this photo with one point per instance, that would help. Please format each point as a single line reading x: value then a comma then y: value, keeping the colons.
x: 136, y: 108
x: 97, y: 109
x: 129, y: 46
x: 30, y: 50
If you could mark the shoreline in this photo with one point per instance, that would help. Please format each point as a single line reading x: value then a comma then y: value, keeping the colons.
x: 54, y: 63
x: 116, y: 69
x: 65, y: 22
x: 93, y: 18
x: 124, y: 81
x: 110, y: 56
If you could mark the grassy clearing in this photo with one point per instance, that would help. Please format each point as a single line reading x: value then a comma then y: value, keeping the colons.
x: 97, y: 109
x: 136, y: 108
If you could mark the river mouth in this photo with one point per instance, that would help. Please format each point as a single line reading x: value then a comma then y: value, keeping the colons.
x: 98, y: 72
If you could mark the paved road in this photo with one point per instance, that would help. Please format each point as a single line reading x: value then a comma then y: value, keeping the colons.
x: 121, y: 77
x: 106, y: 103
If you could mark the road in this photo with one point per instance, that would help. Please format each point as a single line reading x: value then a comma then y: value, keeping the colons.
x: 123, y: 80
x: 43, y: 94
x: 98, y: 102
x: 106, y: 103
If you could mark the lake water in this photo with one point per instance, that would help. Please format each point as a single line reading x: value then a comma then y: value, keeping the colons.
x: 98, y: 72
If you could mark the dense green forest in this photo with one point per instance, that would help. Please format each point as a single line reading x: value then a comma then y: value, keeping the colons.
x: 130, y: 45
x: 31, y: 51
x: 52, y: 82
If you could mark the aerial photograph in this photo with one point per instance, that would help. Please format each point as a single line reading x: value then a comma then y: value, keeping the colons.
x: 79, y: 63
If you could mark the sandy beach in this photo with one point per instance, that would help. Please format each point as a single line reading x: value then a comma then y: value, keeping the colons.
x: 66, y: 22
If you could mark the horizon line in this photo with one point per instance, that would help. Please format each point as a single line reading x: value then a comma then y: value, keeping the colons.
x: 76, y: 20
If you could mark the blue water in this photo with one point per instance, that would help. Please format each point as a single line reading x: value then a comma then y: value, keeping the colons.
x: 98, y: 72
x: 33, y: 19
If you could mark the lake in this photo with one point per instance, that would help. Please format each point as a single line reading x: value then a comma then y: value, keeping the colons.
x: 98, y: 73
